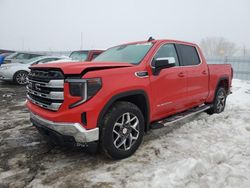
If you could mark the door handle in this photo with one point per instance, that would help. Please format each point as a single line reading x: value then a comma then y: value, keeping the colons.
x: 204, y: 72
x: 181, y: 74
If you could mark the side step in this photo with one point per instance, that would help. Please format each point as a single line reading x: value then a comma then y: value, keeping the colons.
x: 177, y: 117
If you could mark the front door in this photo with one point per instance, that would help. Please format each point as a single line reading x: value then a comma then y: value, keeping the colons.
x: 169, y: 87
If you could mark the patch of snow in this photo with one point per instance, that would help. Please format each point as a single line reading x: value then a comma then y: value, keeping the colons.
x: 22, y: 103
x: 207, y: 151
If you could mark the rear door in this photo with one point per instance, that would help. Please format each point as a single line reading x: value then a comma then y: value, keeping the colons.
x: 169, y: 88
x: 197, y: 74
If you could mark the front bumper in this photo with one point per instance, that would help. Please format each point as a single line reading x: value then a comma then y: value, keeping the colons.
x: 75, y: 130
x: 6, y: 75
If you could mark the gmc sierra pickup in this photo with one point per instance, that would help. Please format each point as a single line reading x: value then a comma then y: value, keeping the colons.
x: 127, y: 90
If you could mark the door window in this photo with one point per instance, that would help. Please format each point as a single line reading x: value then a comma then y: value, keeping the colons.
x: 189, y: 55
x: 167, y: 50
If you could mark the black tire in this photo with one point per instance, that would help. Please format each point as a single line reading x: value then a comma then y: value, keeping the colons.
x: 118, y: 126
x: 20, y: 77
x: 219, y: 102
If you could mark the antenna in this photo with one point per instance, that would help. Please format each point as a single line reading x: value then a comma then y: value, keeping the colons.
x: 150, y: 39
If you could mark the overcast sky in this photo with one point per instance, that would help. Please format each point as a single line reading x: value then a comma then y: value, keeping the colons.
x: 57, y: 24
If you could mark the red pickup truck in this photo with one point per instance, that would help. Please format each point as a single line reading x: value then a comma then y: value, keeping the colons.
x: 127, y: 90
x: 85, y: 55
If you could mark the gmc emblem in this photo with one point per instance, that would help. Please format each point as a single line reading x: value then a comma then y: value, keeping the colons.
x: 36, y: 86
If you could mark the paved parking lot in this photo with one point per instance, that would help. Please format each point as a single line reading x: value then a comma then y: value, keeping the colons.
x: 24, y: 154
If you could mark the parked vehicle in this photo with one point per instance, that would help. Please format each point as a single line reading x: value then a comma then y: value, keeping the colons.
x: 18, y: 72
x: 128, y: 90
x: 6, y: 54
x: 85, y: 55
x: 3, y: 56
x: 19, y: 57
x: 6, y: 51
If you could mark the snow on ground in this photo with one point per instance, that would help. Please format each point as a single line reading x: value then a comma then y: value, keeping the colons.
x: 202, y: 151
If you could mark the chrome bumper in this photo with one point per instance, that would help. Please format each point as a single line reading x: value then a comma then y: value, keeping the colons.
x: 75, y: 130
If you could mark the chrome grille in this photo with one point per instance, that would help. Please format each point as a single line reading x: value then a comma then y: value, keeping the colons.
x: 45, y: 89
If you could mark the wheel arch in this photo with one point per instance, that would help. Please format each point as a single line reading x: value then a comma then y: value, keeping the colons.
x: 17, y: 71
x: 137, y: 97
x: 223, y: 82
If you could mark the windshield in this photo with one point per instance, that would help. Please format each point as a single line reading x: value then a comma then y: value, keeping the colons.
x: 12, y: 55
x: 79, y: 56
x: 129, y: 53
x: 22, y: 56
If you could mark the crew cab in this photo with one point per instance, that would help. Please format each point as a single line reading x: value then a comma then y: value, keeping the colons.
x: 129, y: 90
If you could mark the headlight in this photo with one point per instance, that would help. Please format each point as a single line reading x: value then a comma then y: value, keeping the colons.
x: 83, y: 88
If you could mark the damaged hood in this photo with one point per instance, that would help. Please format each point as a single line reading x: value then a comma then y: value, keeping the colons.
x: 79, y: 67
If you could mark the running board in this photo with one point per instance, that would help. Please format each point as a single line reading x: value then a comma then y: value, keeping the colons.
x: 180, y: 116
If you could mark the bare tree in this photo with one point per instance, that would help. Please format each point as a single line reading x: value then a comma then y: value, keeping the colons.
x: 217, y: 46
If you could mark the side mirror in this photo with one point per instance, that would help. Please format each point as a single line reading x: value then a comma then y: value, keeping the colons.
x: 162, y: 63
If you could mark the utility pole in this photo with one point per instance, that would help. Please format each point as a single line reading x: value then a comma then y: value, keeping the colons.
x: 244, y: 50
x: 81, y: 42
x: 22, y: 45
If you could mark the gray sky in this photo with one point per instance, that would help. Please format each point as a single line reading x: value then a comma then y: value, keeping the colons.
x: 57, y: 24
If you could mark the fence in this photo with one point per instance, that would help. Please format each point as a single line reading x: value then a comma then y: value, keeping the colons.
x: 241, y: 65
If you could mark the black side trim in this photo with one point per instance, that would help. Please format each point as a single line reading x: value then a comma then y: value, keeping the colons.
x: 99, y: 68
x: 222, y: 79
x: 91, y: 69
x: 122, y: 95
x: 218, y: 83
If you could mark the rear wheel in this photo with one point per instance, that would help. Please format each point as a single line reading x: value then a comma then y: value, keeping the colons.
x: 122, y: 130
x: 219, y: 101
x: 21, y: 77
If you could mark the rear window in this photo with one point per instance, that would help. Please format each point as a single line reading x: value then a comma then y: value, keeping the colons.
x: 188, y: 54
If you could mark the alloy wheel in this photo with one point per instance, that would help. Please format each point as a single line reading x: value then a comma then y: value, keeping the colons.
x: 22, y: 78
x: 126, y: 131
x: 221, y: 99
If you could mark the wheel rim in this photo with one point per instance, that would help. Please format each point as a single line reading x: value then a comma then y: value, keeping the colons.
x: 22, y: 78
x: 126, y: 131
x: 221, y: 99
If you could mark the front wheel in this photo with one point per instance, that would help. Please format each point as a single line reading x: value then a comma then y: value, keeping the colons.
x: 219, y: 101
x: 21, y: 77
x: 122, y: 130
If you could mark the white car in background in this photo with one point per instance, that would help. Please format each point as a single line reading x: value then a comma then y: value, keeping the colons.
x: 18, y: 72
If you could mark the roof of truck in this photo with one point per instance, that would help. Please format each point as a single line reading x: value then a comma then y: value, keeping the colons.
x: 161, y: 41
x: 88, y: 51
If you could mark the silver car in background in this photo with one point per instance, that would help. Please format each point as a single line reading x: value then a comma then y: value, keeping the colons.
x: 18, y: 72
x: 20, y: 57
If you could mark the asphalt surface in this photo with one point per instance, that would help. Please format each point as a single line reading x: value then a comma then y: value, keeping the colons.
x: 27, y: 160
x: 23, y: 152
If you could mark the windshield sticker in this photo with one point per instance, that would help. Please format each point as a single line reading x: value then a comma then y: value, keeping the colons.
x: 144, y: 44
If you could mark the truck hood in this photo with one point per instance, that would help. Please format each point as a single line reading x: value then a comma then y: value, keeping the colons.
x: 79, y: 67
